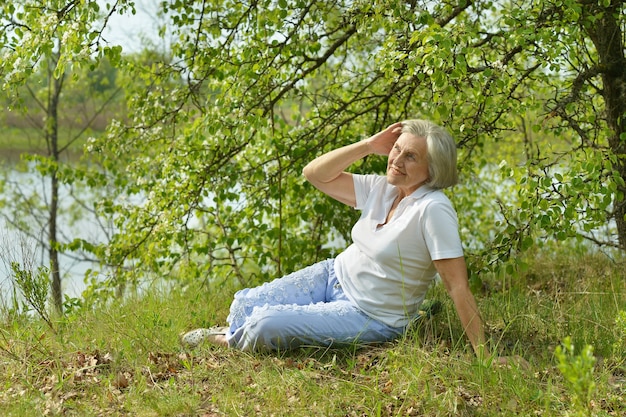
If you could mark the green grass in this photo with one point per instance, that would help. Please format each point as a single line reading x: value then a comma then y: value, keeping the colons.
x: 124, y: 359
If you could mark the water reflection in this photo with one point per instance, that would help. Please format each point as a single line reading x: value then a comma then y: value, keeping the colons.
x: 25, y: 247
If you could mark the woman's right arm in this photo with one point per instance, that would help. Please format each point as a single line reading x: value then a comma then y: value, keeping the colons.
x: 327, y: 172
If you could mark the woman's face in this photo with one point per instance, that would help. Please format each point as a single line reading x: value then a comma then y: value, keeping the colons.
x: 407, y: 166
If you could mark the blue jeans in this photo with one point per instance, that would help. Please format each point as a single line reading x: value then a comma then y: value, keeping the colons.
x: 307, y: 307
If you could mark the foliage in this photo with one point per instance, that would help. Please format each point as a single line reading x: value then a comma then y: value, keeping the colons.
x: 259, y: 103
x: 578, y: 372
x: 34, y: 286
x: 45, y: 61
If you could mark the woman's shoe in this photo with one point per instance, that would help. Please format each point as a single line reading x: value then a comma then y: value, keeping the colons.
x: 195, y: 337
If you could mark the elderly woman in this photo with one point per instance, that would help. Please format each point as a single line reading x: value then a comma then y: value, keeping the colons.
x: 407, y: 233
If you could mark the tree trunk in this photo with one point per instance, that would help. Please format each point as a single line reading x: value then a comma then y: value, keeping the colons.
x: 52, y: 134
x: 53, y: 253
x: 605, y: 32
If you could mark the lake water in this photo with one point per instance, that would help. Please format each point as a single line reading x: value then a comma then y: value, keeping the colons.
x: 19, y: 247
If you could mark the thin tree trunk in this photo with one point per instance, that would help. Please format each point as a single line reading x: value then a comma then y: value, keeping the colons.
x: 53, y: 143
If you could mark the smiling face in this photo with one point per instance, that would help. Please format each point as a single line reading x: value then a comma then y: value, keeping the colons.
x: 407, y: 166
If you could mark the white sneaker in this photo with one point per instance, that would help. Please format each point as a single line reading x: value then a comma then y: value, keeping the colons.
x: 195, y: 337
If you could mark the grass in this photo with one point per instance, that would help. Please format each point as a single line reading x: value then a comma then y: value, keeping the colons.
x: 123, y: 359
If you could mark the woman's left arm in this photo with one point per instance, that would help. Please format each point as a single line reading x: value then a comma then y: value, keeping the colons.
x: 453, y: 273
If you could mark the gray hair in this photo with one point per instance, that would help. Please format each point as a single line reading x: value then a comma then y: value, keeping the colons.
x: 441, y: 152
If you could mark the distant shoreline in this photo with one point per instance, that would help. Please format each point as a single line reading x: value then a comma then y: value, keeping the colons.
x: 13, y: 156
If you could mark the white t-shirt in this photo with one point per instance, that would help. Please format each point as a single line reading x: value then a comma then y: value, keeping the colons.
x: 387, y: 270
